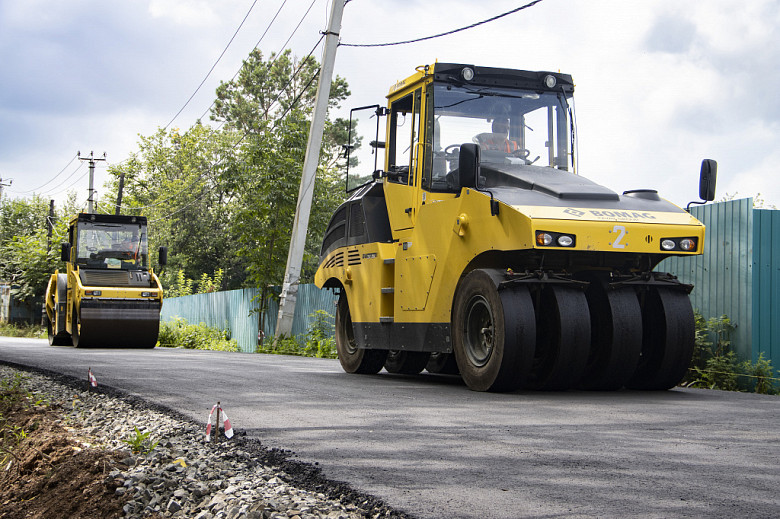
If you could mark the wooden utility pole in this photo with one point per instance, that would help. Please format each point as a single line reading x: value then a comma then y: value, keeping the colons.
x: 119, y: 194
x: 292, y: 274
x: 92, y: 161
x: 50, y: 225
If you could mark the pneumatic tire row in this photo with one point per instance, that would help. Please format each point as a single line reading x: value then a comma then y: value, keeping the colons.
x: 556, y: 338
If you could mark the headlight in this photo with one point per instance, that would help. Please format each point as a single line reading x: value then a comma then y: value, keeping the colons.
x: 550, y: 81
x: 554, y: 239
x: 467, y: 73
x: 679, y: 244
x: 565, y: 240
x: 687, y: 244
x: 543, y: 238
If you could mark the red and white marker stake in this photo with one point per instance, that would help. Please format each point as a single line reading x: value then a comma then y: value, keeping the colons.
x: 225, y: 421
x: 91, y: 378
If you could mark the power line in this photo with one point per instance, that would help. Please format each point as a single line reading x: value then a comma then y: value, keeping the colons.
x: 235, y: 145
x: 51, y: 190
x: 49, y: 181
x: 241, y: 139
x: 256, y: 45
x: 213, y: 66
x: 526, y: 6
x: 209, y: 189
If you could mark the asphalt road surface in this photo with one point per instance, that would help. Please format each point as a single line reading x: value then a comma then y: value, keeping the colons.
x: 429, y: 446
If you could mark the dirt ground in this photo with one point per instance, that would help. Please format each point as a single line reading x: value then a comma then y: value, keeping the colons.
x: 45, y: 473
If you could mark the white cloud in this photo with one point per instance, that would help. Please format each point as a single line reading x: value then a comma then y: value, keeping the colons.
x: 659, y: 85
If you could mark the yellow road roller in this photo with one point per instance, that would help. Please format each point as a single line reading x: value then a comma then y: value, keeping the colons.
x: 107, y: 296
x: 477, y: 248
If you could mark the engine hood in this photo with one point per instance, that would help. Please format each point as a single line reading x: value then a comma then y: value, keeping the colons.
x: 523, y: 185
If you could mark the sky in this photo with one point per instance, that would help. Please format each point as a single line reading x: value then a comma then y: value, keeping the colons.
x: 660, y: 84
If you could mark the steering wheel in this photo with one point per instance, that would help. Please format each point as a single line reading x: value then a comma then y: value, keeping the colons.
x: 450, y: 152
x: 521, y: 153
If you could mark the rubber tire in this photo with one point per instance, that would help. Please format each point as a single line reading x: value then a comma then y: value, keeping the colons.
x: 502, y: 360
x: 75, y: 333
x: 616, y: 336
x: 667, y: 340
x: 352, y: 358
x: 442, y: 363
x: 62, y: 339
x: 563, y: 339
x: 406, y: 362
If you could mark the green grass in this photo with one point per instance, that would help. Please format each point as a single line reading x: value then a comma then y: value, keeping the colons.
x: 25, y: 330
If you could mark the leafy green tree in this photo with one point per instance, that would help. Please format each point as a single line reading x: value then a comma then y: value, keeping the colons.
x: 185, y: 183
x: 22, y: 216
x: 271, y: 103
x: 28, y: 256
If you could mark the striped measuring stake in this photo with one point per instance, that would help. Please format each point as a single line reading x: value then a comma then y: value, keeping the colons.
x: 225, y: 421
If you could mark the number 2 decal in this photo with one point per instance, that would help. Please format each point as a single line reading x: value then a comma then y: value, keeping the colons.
x: 616, y: 244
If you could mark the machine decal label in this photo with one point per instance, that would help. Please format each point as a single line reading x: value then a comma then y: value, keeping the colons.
x: 587, y: 214
x: 370, y: 255
x: 621, y: 232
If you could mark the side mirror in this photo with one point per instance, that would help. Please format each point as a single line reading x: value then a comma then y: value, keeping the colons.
x: 163, y: 256
x: 468, y: 165
x: 709, y: 173
x: 65, y: 251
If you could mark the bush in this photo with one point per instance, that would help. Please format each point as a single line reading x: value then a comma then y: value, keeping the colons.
x: 179, y: 334
x: 25, y: 330
x: 318, y: 341
x: 715, y: 365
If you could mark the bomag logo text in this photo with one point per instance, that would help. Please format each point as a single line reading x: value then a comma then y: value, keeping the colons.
x: 622, y: 214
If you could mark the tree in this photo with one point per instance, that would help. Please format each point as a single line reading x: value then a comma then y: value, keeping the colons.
x: 26, y: 260
x: 185, y: 183
x: 271, y: 102
x: 22, y: 216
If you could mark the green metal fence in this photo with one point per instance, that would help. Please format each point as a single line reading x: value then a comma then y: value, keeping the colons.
x: 766, y: 284
x: 738, y: 275
x: 237, y: 311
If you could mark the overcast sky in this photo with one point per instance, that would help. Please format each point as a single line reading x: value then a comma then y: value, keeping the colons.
x: 660, y: 85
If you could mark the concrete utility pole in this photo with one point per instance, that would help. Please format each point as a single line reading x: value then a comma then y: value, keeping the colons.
x: 4, y: 185
x: 91, y: 160
x: 292, y: 274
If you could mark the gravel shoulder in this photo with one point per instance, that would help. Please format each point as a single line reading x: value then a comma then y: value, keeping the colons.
x: 73, y: 461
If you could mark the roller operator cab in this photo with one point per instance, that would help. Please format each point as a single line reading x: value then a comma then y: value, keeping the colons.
x: 478, y: 249
x: 108, y: 295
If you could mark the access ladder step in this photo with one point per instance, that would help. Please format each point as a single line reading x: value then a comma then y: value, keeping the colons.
x: 386, y: 319
x: 388, y: 290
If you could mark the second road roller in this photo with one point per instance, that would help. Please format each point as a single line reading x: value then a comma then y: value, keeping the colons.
x: 108, y: 295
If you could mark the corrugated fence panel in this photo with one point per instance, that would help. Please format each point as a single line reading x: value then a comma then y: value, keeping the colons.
x: 231, y: 310
x: 766, y: 285
x: 723, y: 275
x: 309, y: 300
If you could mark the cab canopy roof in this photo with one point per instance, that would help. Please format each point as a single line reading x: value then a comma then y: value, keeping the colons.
x: 108, y: 218
x: 460, y: 74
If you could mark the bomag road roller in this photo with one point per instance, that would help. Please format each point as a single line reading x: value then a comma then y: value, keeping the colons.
x: 478, y: 249
x: 108, y: 296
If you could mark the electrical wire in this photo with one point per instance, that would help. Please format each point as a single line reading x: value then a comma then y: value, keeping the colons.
x: 526, y: 6
x: 256, y: 46
x: 275, y: 57
x: 53, y: 189
x: 245, y: 134
x: 213, y: 66
x: 47, y: 182
x: 209, y: 189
